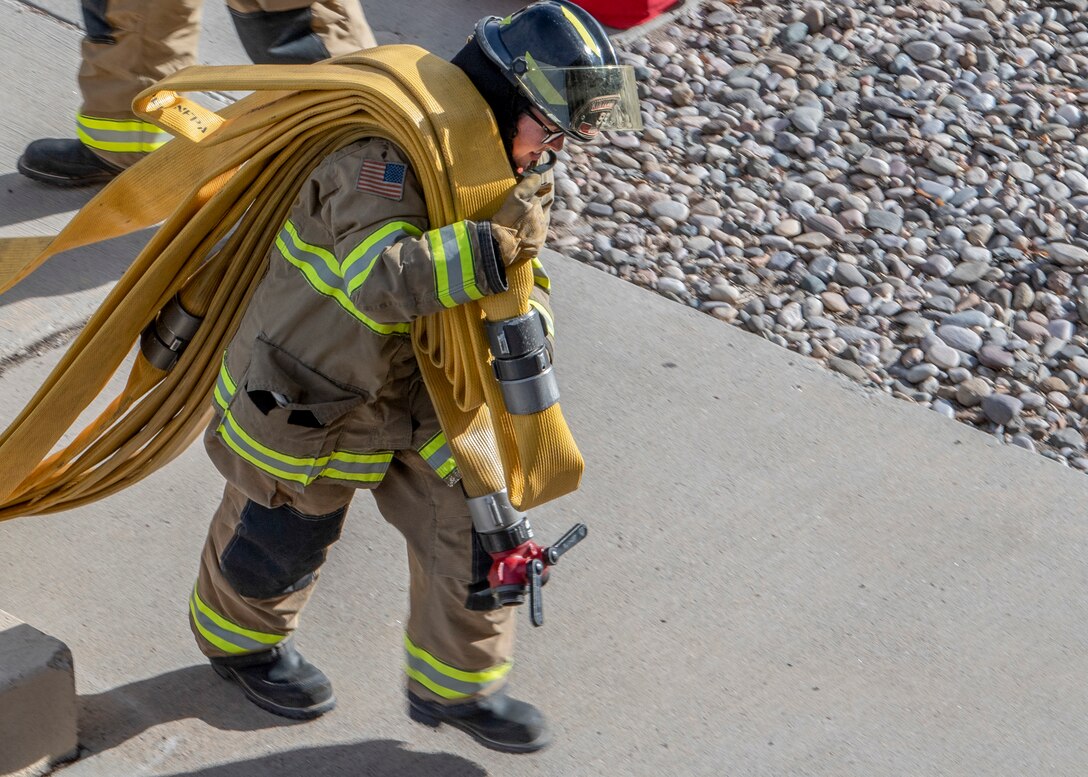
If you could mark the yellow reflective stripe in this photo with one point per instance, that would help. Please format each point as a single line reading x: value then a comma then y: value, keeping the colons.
x: 136, y: 147
x: 358, y: 477
x: 269, y: 464
x: 313, y: 276
x: 267, y: 459
x: 454, y: 275
x: 549, y: 325
x: 542, y: 84
x: 220, y: 400
x: 219, y: 620
x: 486, y: 676
x: 441, y: 277
x: 227, y: 379
x: 214, y: 639
x: 361, y: 250
x: 120, y: 135
x: 468, y: 271
x: 120, y: 125
x: 582, y: 31
x: 308, y: 469
x: 449, y: 466
x: 431, y: 685
x: 224, y: 386
x: 540, y: 275
x: 358, y: 458
x: 433, y: 445
x: 323, y: 254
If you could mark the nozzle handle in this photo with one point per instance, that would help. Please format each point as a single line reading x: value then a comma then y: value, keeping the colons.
x: 536, y: 600
x: 574, y: 535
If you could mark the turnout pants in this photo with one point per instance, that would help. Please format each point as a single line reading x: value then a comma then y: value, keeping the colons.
x: 266, y: 545
x: 131, y: 44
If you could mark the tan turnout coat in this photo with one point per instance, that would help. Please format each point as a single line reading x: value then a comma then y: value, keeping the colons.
x: 320, y: 381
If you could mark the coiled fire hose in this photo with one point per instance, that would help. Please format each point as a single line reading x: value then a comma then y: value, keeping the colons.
x: 221, y: 190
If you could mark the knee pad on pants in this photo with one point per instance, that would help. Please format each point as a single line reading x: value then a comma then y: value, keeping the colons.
x: 99, y: 30
x: 279, y: 37
x: 277, y: 550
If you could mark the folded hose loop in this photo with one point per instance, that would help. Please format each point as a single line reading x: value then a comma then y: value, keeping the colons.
x: 220, y: 192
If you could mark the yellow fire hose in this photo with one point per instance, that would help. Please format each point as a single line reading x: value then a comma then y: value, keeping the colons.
x: 222, y: 189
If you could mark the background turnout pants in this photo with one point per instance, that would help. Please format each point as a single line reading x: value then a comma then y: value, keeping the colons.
x: 131, y: 44
x: 270, y: 541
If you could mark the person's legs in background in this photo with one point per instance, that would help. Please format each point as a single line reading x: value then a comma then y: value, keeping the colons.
x: 131, y: 44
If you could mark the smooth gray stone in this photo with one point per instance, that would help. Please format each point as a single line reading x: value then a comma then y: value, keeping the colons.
x: 969, y: 318
x: 672, y: 209
x: 1067, y: 255
x: 922, y: 50
x: 855, y: 334
x: 1001, y: 408
x: 968, y: 272
x: 944, y: 356
x: 849, y: 275
x: 1023, y: 441
x: 960, y: 338
x: 995, y: 357
x: 884, y: 220
x: 1068, y: 438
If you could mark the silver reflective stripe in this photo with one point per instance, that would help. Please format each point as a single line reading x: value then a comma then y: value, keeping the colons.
x: 436, y: 452
x: 224, y: 386
x: 367, y: 467
x: 361, y: 261
x: 343, y: 465
x: 445, y: 680
x: 323, y: 273
x: 228, y: 637
x: 454, y: 271
x: 320, y: 260
x: 360, y: 467
x: 120, y: 135
x: 418, y: 666
x: 208, y: 626
x: 301, y: 471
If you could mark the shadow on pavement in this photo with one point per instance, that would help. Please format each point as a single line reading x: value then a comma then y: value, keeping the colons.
x: 80, y: 269
x: 23, y: 200
x: 108, y: 719
x: 380, y: 758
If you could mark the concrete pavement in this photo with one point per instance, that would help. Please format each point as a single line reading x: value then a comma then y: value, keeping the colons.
x: 786, y: 574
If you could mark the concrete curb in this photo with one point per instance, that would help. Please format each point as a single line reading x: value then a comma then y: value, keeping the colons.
x: 37, y: 700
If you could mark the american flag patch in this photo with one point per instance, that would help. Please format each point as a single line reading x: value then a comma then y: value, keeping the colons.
x: 385, y: 179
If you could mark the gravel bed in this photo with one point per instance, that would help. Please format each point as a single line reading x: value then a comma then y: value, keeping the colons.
x: 898, y: 190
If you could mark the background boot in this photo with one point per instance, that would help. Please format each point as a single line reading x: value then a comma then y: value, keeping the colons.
x: 65, y: 163
x: 280, y: 681
x: 496, y: 721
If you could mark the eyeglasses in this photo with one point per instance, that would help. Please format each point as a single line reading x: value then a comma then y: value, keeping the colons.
x: 550, y: 134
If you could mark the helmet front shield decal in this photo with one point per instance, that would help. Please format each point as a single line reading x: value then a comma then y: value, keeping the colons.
x: 584, y: 101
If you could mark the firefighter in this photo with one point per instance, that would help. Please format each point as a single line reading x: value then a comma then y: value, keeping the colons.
x: 320, y: 393
x: 131, y: 44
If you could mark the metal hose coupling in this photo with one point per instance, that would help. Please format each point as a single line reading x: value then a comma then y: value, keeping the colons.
x: 498, y: 523
x: 163, y: 340
x: 522, y: 365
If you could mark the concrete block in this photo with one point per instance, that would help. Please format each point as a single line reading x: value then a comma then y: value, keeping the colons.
x: 37, y: 700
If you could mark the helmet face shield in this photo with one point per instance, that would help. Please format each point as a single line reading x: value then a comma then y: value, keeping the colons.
x: 584, y: 101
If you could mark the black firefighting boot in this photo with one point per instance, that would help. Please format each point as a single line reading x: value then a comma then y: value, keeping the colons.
x: 65, y: 163
x: 280, y: 681
x: 496, y: 721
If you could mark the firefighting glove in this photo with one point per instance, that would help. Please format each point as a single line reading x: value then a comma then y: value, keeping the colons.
x: 519, y: 226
